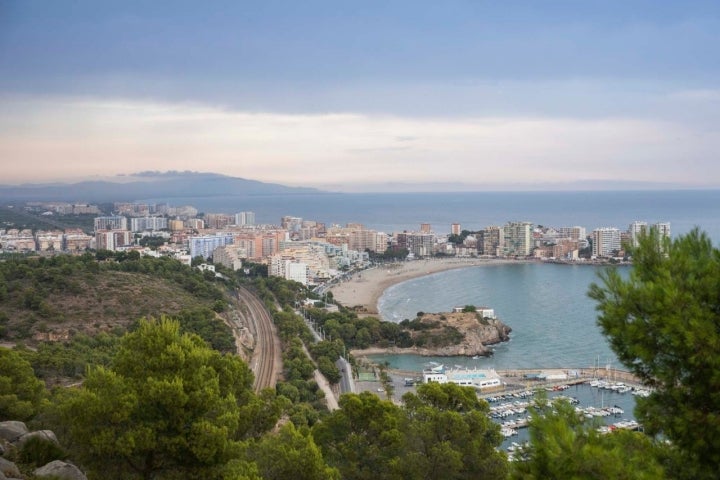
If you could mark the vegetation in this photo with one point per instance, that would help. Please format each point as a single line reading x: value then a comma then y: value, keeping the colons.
x: 20, y: 218
x: 59, y: 297
x: 21, y: 394
x: 442, y: 432
x: 167, y: 404
x: 564, y: 445
x: 663, y: 323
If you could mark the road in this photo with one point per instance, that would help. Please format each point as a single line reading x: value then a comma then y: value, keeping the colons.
x: 266, y: 360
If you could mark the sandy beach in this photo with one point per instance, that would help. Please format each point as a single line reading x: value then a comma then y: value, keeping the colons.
x: 365, y: 288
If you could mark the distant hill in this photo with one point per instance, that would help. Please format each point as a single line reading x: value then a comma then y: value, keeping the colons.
x: 146, y: 185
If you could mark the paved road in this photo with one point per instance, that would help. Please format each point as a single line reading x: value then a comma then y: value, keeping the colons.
x: 266, y: 359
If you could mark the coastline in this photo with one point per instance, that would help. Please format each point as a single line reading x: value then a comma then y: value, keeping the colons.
x: 363, y: 290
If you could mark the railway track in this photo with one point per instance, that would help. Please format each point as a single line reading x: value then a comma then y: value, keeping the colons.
x: 266, y: 355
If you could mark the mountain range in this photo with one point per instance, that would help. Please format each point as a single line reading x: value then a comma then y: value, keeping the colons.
x: 146, y: 185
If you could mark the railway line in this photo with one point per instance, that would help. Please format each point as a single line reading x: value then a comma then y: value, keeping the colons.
x: 266, y: 358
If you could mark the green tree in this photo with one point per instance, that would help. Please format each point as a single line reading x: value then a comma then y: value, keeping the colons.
x: 167, y: 406
x: 21, y: 394
x: 450, y: 436
x: 290, y: 454
x: 563, y: 445
x: 364, y: 439
x: 663, y: 322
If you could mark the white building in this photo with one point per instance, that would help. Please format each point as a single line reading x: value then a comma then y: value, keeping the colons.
x: 605, y: 241
x: 141, y: 224
x: 116, y: 222
x: 245, y: 218
x: 476, y: 378
x: 204, y: 245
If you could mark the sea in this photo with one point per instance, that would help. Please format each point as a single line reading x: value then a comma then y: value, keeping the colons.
x: 553, y: 320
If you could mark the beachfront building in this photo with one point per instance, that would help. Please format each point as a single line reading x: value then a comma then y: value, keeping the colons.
x: 636, y: 230
x: 606, y: 241
x: 573, y: 233
x: 490, y: 241
x: 517, y: 241
x: 419, y: 244
x: 476, y: 378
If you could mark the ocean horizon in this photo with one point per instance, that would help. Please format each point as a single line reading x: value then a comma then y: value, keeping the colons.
x: 392, y: 212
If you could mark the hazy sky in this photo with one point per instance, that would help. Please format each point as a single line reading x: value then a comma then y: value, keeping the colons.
x: 351, y: 95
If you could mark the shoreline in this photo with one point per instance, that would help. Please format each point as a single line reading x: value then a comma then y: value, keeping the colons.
x: 363, y: 290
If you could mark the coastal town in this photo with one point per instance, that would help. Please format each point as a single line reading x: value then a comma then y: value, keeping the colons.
x: 304, y: 250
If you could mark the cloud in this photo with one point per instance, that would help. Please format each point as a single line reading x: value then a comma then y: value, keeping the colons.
x: 70, y: 138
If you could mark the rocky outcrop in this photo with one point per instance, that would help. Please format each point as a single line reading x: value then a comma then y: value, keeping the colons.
x: 12, y: 430
x: 60, y: 469
x: 14, y: 435
x: 477, y: 334
x: 48, y: 435
x: 8, y: 469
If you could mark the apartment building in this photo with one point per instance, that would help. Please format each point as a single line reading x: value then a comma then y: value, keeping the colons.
x: 114, y: 222
x: 142, y: 224
x: 204, y: 245
x: 490, y: 241
x: 112, y: 239
x: 605, y: 241
x: 245, y: 218
x: 517, y: 239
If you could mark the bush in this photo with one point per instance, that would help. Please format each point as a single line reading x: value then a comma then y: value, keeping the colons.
x: 39, y: 451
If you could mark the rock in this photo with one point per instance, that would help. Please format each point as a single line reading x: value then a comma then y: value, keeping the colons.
x: 42, y: 434
x: 12, y: 430
x: 9, y: 469
x: 60, y: 469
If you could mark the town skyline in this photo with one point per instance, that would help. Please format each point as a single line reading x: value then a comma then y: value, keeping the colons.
x: 400, y: 97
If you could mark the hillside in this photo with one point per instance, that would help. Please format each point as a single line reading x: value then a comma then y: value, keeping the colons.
x: 53, y: 299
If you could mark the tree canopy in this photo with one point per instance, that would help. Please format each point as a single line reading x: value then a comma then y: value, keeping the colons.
x: 21, y: 394
x: 166, y: 404
x: 663, y: 322
x: 442, y: 432
x: 564, y: 445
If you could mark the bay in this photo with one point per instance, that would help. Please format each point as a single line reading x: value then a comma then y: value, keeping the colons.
x: 546, y: 305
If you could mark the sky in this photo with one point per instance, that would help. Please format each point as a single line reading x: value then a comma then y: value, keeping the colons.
x: 365, y: 96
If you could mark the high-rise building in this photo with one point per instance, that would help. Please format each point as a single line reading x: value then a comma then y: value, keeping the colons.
x: 636, y: 230
x: 605, y: 241
x: 573, y: 233
x: 204, y: 245
x: 218, y: 220
x: 115, y: 222
x: 245, y: 218
x: 425, y: 228
x: 112, y: 239
x: 517, y: 241
x: 490, y: 241
x: 141, y: 224
x: 455, y: 229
